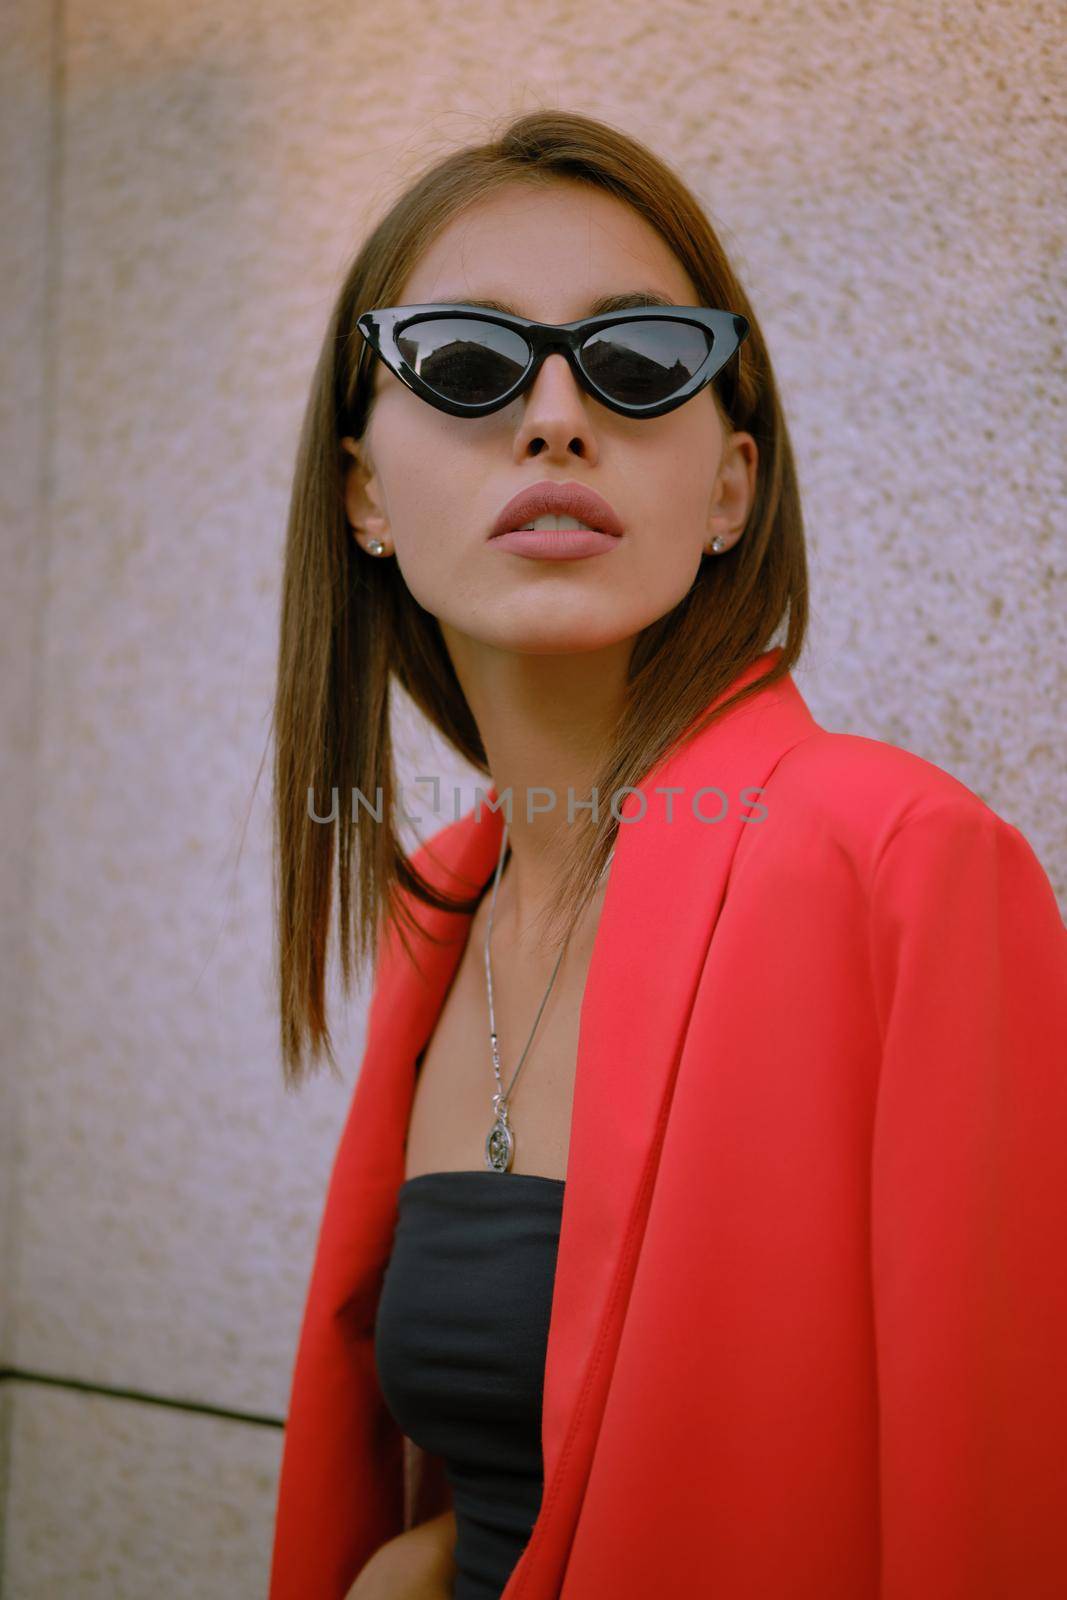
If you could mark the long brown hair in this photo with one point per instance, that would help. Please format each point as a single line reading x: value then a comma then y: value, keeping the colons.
x: 350, y: 627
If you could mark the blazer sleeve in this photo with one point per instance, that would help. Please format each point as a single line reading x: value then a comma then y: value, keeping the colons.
x: 969, y: 1211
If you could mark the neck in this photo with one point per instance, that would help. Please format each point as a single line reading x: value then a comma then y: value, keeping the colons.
x: 545, y: 722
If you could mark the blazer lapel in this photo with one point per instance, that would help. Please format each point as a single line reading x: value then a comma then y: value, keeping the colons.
x: 665, y: 888
x: 341, y: 1490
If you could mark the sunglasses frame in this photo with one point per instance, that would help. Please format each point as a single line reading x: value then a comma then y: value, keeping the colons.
x: 380, y: 329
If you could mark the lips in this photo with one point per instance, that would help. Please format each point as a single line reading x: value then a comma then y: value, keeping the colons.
x: 561, y: 500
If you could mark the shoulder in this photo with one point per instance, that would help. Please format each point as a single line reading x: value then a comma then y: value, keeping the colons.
x: 444, y: 844
x: 860, y: 773
x: 915, y: 862
x: 440, y: 842
x: 862, y: 799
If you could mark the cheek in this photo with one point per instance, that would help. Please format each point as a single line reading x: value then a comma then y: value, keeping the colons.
x: 665, y: 565
x: 671, y: 523
x: 417, y: 477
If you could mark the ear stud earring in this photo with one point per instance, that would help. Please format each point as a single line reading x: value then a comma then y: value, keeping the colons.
x: 718, y: 544
x: 376, y: 547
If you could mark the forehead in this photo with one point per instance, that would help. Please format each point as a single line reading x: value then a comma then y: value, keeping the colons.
x: 550, y: 252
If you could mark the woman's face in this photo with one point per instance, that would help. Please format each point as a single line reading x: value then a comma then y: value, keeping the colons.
x: 430, y: 485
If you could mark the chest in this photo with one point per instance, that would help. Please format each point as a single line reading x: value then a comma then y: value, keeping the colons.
x: 452, y: 1109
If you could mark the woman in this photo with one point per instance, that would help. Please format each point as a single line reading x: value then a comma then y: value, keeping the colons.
x: 696, y: 1225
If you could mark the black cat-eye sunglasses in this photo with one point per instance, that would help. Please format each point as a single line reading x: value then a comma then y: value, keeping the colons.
x: 469, y: 361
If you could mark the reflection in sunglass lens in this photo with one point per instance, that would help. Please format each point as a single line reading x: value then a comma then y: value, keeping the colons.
x: 463, y: 358
x: 646, y: 360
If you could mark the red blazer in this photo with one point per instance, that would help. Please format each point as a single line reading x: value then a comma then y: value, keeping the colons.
x: 808, y: 1335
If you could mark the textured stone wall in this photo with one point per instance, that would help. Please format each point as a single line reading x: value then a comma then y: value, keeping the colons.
x: 182, y: 188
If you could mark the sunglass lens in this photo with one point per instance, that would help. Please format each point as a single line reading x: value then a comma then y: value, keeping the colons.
x: 640, y: 362
x: 463, y: 359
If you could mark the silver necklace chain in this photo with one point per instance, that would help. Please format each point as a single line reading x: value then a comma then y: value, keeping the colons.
x: 500, y: 1140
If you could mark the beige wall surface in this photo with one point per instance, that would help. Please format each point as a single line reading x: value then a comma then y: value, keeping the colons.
x: 183, y: 187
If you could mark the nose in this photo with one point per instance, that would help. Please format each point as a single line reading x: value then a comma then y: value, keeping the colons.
x: 557, y: 413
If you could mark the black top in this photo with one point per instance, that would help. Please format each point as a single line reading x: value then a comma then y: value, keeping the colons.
x: 460, y: 1345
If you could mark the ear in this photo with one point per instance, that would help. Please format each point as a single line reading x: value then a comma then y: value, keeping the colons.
x: 361, y: 492
x: 735, y: 489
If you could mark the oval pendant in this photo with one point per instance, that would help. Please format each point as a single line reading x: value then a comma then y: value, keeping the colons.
x: 499, y: 1146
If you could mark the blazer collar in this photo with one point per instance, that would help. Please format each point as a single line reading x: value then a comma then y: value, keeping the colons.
x: 663, y: 896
